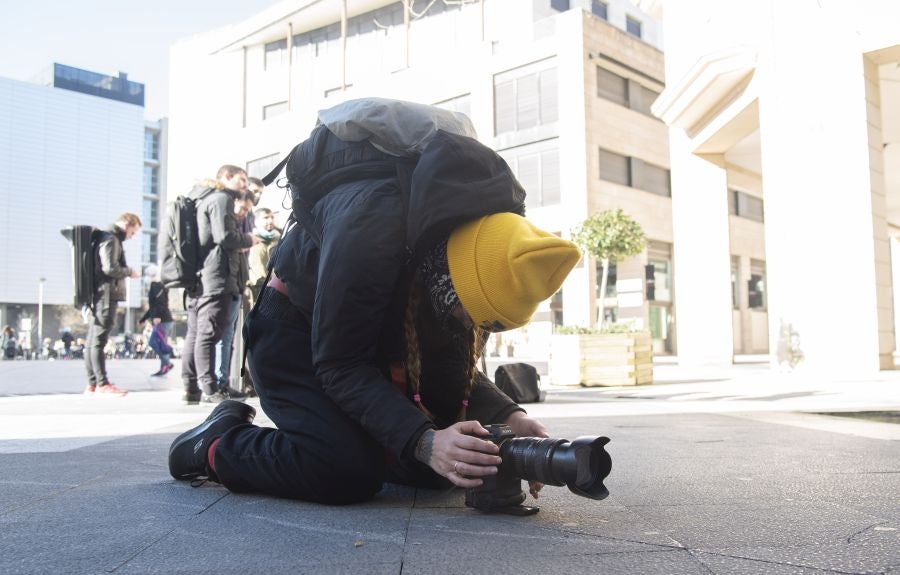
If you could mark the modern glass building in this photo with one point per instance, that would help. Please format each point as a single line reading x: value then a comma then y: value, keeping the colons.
x: 74, y: 149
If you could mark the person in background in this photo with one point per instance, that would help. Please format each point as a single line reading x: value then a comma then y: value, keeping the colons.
x: 209, y: 308
x: 161, y: 317
x: 112, y: 270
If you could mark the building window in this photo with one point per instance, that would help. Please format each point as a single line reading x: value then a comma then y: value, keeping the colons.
x: 526, y: 97
x: 612, y: 87
x: 756, y: 285
x: 461, y: 104
x: 150, y: 217
x: 276, y: 109
x: 653, y: 179
x: 151, y: 181
x: 151, y: 145
x: 625, y: 92
x: 561, y: 5
x: 634, y: 172
x: 642, y: 99
x: 615, y: 168
x: 610, y: 279
x: 745, y: 205
x: 150, y: 252
x: 659, y: 270
x: 735, y: 282
x: 261, y: 166
x: 536, y: 166
x: 599, y: 9
x: 633, y: 26
x: 275, y: 54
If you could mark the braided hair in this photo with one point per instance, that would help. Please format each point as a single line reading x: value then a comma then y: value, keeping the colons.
x: 474, y: 340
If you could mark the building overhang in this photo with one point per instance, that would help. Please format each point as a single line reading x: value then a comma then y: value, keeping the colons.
x: 708, y: 87
x: 295, y: 15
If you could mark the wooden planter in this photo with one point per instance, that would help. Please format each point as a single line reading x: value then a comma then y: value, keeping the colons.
x: 601, y: 359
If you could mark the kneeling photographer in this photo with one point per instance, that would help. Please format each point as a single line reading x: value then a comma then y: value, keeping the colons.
x: 410, y: 247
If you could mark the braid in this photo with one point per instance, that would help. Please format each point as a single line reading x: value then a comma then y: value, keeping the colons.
x: 475, y: 340
x: 413, y: 358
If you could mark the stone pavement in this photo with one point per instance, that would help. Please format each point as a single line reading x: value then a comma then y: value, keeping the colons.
x: 716, y: 471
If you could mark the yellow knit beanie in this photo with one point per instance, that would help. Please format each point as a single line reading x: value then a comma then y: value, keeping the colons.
x: 502, y: 267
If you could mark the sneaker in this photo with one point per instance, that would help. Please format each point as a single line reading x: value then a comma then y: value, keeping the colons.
x: 217, y: 397
x: 111, y: 389
x: 191, y: 398
x: 158, y: 373
x: 187, y: 455
x: 232, y: 393
x: 166, y: 368
x: 90, y: 389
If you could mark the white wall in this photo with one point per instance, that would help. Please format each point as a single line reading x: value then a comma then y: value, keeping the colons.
x: 65, y: 158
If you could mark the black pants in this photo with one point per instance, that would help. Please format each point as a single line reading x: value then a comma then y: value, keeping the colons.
x: 206, y: 320
x: 317, y: 453
x: 97, y: 336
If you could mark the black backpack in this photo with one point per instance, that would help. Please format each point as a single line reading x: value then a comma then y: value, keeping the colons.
x: 181, y: 263
x: 520, y: 382
x: 85, y: 240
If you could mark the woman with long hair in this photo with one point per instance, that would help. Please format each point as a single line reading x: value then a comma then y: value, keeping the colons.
x: 411, y: 247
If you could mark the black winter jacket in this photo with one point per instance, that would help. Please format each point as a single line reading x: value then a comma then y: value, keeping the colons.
x: 158, y: 300
x: 109, y: 266
x: 220, y: 243
x: 377, y: 215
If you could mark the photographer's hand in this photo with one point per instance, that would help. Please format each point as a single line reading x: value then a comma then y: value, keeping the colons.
x: 524, y: 426
x: 457, y: 455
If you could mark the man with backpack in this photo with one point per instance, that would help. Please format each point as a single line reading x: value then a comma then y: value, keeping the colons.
x: 110, y: 272
x: 208, y: 300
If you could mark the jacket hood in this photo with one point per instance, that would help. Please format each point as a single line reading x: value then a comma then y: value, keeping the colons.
x: 455, y: 179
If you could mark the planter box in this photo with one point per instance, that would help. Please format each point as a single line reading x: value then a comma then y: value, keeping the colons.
x: 601, y: 359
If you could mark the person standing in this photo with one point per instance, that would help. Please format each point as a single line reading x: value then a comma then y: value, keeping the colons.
x: 110, y: 273
x: 208, y: 307
x: 161, y: 317
x: 261, y: 253
x: 225, y: 346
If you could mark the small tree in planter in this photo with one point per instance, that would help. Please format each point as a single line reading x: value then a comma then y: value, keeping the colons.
x: 609, y: 235
x: 604, y: 355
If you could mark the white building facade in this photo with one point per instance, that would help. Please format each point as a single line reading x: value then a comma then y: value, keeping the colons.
x: 797, y: 105
x: 71, y: 152
x: 561, y: 89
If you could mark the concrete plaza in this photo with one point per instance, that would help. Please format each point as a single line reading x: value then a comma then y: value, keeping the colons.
x: 714, y: 471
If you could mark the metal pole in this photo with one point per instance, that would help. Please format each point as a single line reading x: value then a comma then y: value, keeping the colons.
x: 40, y: 349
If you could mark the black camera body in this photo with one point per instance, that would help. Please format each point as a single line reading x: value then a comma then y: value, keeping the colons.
x: 582, y: 465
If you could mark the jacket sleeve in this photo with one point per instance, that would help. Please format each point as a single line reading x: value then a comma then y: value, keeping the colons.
x: 361, y: 259
x: 222, y: 225
x: 110, y: 250
x: 489, y: 404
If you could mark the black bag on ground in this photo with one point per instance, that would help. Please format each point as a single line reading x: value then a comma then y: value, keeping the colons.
x: 181, y: 263
x: 84, y: 252
x: 520, y: 381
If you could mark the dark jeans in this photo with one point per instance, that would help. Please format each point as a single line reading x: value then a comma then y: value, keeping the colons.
x: 98, y: 334
x: 159, y: 342
x: 317, y: 453
x: 207, y: 318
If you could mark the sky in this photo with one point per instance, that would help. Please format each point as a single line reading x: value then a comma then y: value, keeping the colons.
x: 108, y: 36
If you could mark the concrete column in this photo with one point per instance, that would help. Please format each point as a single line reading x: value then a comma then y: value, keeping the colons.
x: 824, y: 233
x: 702, y: 263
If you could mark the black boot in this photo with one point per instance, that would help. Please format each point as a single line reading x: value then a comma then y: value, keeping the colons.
x: 187, y: 455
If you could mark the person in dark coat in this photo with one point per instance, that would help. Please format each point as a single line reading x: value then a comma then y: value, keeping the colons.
x: 161, y: 317
x: 363, y: 346
x: 111, y: 271
x: 209, y: 309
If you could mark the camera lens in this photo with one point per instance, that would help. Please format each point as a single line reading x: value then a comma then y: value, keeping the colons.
x: 581, y: 465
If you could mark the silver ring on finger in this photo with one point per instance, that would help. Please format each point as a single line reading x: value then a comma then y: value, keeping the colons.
x: 456, y: 468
